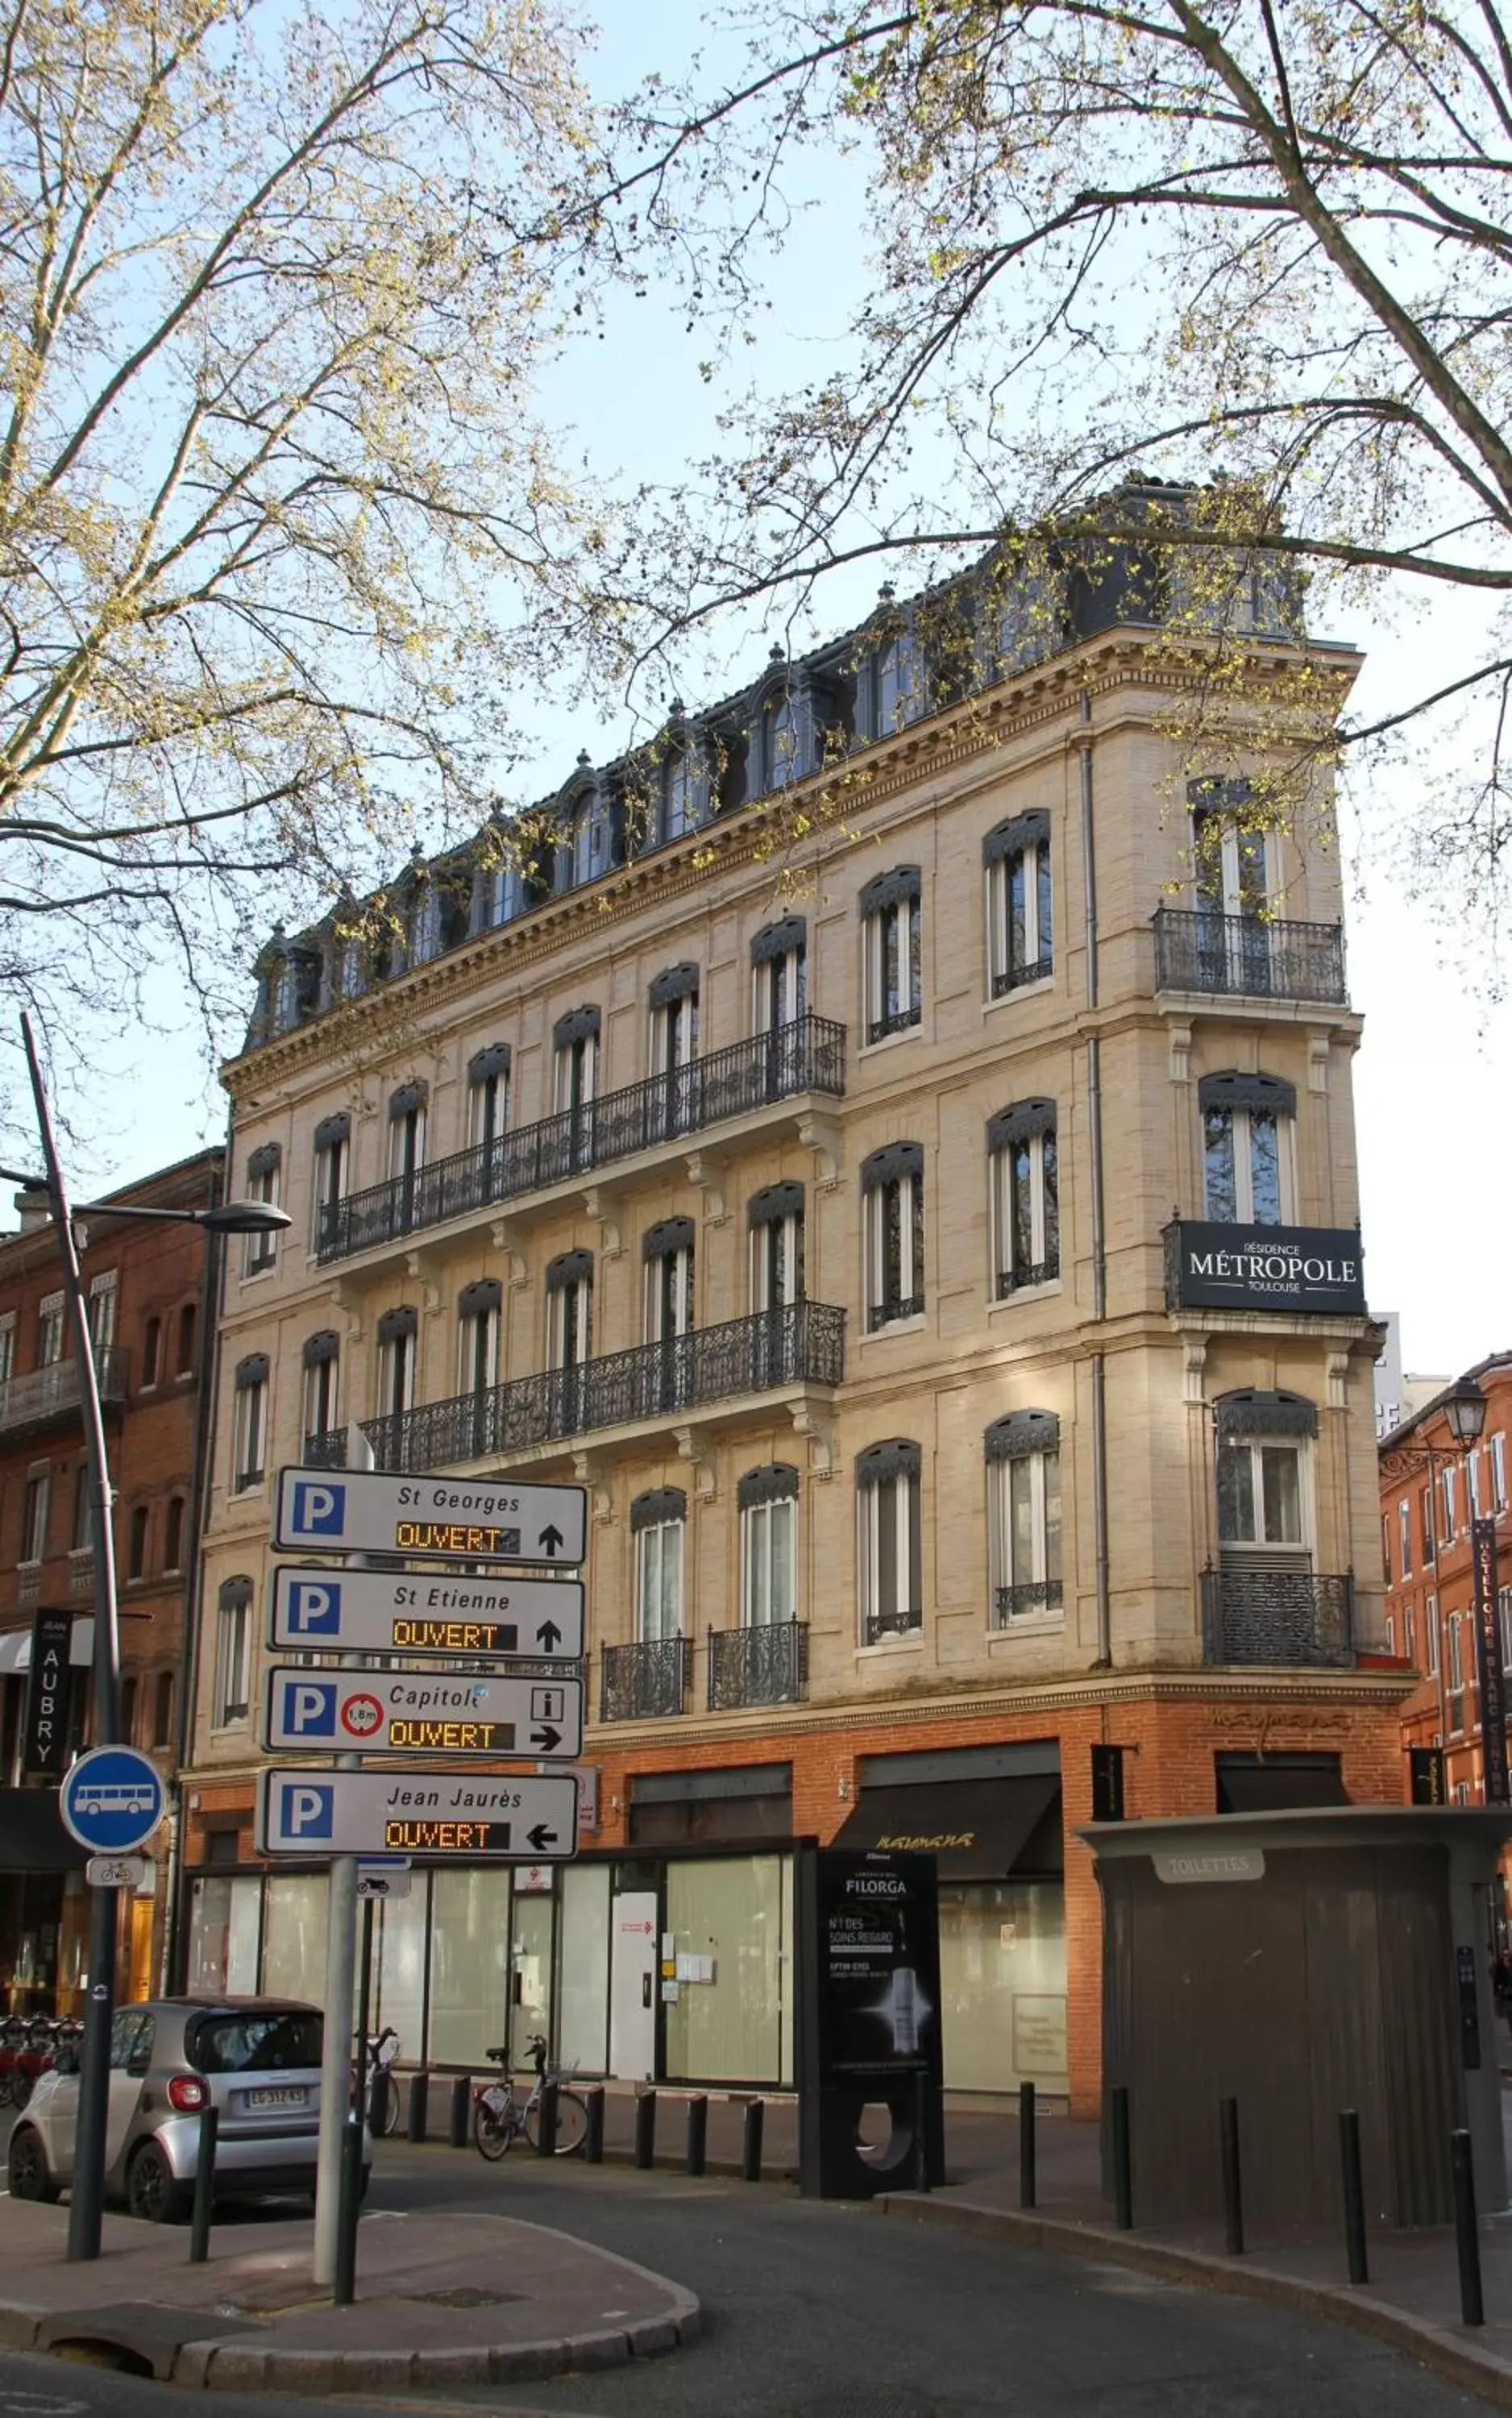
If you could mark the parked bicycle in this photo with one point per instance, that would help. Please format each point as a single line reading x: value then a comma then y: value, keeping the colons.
x: 499, y: 2118
x: 383, y: 2091
x: 29, y: 2047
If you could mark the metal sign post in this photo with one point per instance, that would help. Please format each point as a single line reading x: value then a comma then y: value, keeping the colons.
x: 341, y: 1982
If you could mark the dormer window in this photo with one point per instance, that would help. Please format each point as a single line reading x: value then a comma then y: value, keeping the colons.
x: 777, y: 752
x: 425, y: 925
x: 684, y: 790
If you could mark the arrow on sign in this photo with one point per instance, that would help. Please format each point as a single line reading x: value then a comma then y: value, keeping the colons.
x: 547, y: 1739
x: 549, y: 1636
x: 540, y: 1836
x: 550, y: 1539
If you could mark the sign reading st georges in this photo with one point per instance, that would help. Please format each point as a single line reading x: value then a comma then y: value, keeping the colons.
x: 406, y: 1712
x: 410, y: 1611
x: 470, y: 1519
x: 447, y: 1816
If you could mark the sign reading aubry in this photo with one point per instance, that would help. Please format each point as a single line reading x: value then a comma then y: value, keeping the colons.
x: 1314, y: 1269
x: 471, y: 1519
x: 401, y: 1612
x: 402, y: 1712
x: 446, y: 1817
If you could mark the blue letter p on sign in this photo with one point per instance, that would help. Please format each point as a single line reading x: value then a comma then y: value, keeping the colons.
x: 319, y: 1509
x: 315, y: 1610
x: 305, y: 1809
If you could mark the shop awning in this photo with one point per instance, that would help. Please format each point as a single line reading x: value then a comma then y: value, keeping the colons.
x: 16, y: 1648
x: 1274, y: 1784
x: 979, y: 1828
x: 32, y: 1838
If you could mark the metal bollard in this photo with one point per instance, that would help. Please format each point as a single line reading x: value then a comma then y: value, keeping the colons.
x: 1233, y: 2205
x: 419, y: 2105
x: 697, y: 2134
x: 379, y: 2089
x: 1122, y: 2160
x: 921, y: 2131
x: 546, y: 2122
x: 1026, y: 2144
x: 461, y: 2116
x: 593, y: 2137
x: 1466, y: 2230
x: 344, y: 2289
x: 199, y: 2231
x: 646, y: 2129
x: 1349, y: 2151
x: 755, y: 2117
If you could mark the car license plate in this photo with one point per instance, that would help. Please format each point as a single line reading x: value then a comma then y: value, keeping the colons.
x: 287, y: 2095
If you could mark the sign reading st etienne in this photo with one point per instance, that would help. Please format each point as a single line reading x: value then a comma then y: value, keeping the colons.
x: 471, y: 1519
x: 406, y: 1712
x: 405, y: 1611
x: 447, y: 1816
x: 112, y: 1800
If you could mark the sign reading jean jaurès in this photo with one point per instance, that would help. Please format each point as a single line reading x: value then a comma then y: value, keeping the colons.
x: 1307, y: 1268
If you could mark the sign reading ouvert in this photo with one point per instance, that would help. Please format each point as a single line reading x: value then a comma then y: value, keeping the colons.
x: 1316, y: 1270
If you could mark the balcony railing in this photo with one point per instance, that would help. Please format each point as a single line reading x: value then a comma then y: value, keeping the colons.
x: 1023, y: 1601
x: 894, y: 1019
x: 1248, y: 957
x: 808, y: 1055
x: 1298, y: 1618
x: 46, y: 1393
x: 1033, y: 1272
x: 1018, y: 977
x: 879, y: 1625
x: 803, y: 1343
x: 887, y: 1313
x: 647, y: 1681
x: 764, y: 1665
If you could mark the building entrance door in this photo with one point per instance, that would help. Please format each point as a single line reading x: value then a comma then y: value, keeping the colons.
x: 632, y: 1986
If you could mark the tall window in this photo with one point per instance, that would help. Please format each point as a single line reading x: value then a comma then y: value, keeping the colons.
x: 406, y: 1133
x: 480, y: 1310
x: 7, y: 1346
x: 173, y: 1533
x: 1424, y: 1522
x: 1020, y: 927
x: 657, y: 1524
x: 892, y: 925
x: 1026, y: 1197
x: 322, y: 1371
x: 488, y: 1096
x: 249, y: 1427
x: 1262, y: 1509
x: 103, y: 1297
x: 768, y: 1501
x: 1472, y: 1483
x: 162, y: 1709
x: 151, y: 1352
x: 264, y: 1170
x: 891, y: 1544
x: 1247, y: 1148
x: 233, y: 1650
x: 1023, y: 1456
x: 398, y: 1335
x: 79, y: 1536
x: 1499, y: 1473
x: 674, y: 1046
x: 1404, y: 1522
x: 129, y: 1711
x: 667, y: 1251
x: 34, y: 1514
x: 50, y: 1330
x: 137, y: 1554
x: 1446, y: 1479
x: 1430, y: 1622
x: 1454, y: 1672
x: 776, y: 1216
x: 570, y: 1310
x: 185, y: 1362
x: 332, y: 1143
x: 1231, y: 887
x: 893, y: 1190
x: 779, y: 979
x: 575, y: 1081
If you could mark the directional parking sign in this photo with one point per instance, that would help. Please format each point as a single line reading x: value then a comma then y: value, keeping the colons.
x: 112, y: 1800
x: 443, y: 1712
x: 446, y: 1817
x: 411, y: 1611
x: 461, y: 1518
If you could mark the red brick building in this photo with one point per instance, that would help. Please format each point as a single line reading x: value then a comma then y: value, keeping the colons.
x: 144, y: 1282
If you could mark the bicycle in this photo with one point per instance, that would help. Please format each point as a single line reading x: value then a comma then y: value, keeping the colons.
x: 498, y: 2117
x: 383, y: 2093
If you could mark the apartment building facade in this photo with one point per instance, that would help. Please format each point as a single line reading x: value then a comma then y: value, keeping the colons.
x: 942, y: 1269
x: 144, y: 1283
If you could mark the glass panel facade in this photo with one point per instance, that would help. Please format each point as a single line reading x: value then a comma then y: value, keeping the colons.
x: 294, y: 1936
x: 583, y: 1997
x: 223, y: 1939
x: 399, y: 1957
x: 530, y: 1984
x: 469, y: 1965
x: 731, y: 1914
x: 1003, y: 1970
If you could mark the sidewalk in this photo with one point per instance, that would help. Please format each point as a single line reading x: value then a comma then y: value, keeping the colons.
x: 482, y: 2300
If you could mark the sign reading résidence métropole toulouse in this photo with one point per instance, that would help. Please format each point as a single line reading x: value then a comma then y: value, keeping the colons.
x: 1307, y: 1268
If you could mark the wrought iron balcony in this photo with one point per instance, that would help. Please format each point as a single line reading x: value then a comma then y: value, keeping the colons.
x: 1295, y: 1618
x: 647, y: 1681
x: 1018, y: 977
x: 765, y: 1663
x: 1033, y: 1272
x: 1248, y: 957
x: 49, y: 1393
x: 887, y: 1313
x: 1022, y: 1603
x: 803, y: 1343
x: 894, y: 1019
x: 808, y: 1055
x: 879, y: 1625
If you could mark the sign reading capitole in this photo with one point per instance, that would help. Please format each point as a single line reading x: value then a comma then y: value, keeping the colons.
x: 1316, y: 1270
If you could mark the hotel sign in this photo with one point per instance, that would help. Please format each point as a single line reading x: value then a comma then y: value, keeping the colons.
x: 1316, y: 1270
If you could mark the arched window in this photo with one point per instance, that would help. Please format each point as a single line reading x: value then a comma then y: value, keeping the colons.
x: 322, y: 1358
x: 893, y: 951
x: 891, y: 1540
x: 657, y: 1524
x: 776, y: 1220
x: 249, y: 1436
x: 137, y: 1554
x: 151, y: 1352
x: 233, y: 1650
x: 173, y: 1533
x: 1015, y: 857
x: 667, y: 1251
x: 1026, y: 1197
x: 1023, y: 1458
x: 767, y: 1502
x: 398, y: 1340
x: 779, y: 983
x: 185, y: 1365
x: 892, y: 1183
x: 1248, y: 1126
x: 162, y: 1709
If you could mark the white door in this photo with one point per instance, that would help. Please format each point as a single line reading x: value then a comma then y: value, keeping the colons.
x: 632, y: 1987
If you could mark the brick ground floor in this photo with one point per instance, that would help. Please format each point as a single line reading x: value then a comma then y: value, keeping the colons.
x: 666, y: 1950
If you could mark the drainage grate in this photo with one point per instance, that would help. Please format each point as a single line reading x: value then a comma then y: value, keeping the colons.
x: 465, y: 2296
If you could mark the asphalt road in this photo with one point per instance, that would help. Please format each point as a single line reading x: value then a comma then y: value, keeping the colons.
x: 818, y: 2311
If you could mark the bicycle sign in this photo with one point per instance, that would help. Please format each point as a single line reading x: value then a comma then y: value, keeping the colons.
x: 112, y: 1800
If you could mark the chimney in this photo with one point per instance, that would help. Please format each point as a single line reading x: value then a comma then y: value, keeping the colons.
x: 32, y: 1209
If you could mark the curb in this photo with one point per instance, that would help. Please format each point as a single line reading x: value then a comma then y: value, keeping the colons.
x: 1448, y: 2352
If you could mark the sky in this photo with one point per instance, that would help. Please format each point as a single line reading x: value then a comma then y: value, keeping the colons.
x: 1435, y: 1154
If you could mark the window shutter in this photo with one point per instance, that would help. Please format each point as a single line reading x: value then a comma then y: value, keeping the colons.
x: 1231, y: 1091
x: 1013, y: 837
x: 777, y: 1483
x: 1021, y: 1123
x: 1021, y: 1433
x: 890, y: 889
x: 896, y: 1158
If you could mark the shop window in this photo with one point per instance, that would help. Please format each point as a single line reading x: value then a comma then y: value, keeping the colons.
x: 322, y: 1383
x: 892, y: 1183
x: 658, y: 1522
x: 294, y: 1925
x: 735, y: 1912
x: 1023, y: 1458
x: 233, y: 1650
x: 249, y: 1430
x: 470, y: 1966
x: 264, y: 1172
x: 151, y: 1352
x: 893, y: 952
x: 1247, y: 1148
x: 332, y: 1144
x: 1020, y: 922
x: 225, y: 1924
x: 398, y: 1341
x: 1025, y: 1196
x: 891, y: 1542
x: 776, y: 1220
x: 767, y: 1502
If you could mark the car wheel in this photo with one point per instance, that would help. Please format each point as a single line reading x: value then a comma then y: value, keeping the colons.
x: 26, y: 2170
x: 152, y: 2192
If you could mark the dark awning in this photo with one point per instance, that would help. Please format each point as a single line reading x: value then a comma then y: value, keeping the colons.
x: 979, y: 1828
x: 1271, y: 1784
x: 32, y: 1838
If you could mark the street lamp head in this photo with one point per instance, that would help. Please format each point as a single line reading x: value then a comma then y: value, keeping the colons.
x: 244, y: 1217
x: 1464, y: 1407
